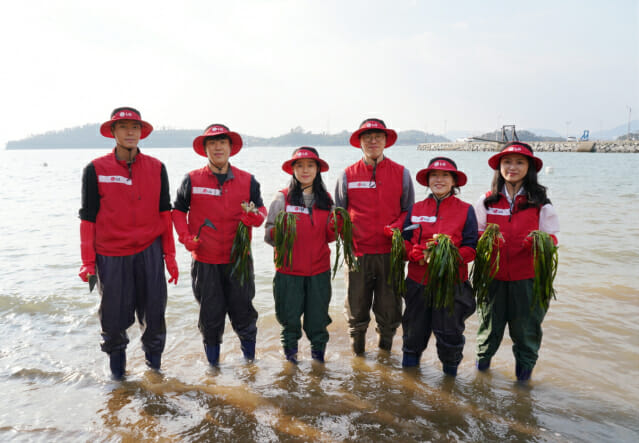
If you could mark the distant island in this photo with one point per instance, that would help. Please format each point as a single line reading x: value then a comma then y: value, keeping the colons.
x: 88, y: 136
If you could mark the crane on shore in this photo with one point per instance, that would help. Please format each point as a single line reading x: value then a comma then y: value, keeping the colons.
x: 505, y: 131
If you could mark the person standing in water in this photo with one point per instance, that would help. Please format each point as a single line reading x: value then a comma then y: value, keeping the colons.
x: 126, y: 237
x: 302, y: 288
x: 519, y: 205
x: 439, y: 213
x: 215, y: 193
x: 376, y: 192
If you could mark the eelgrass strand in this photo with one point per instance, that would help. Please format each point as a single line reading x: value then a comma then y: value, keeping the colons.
x: 344, y: 241
x: 442, y: 272
x: 396, y: 277
x: 545, y: 259
x: 285, y: 235
x: 486, y: 264
x: 241, y: 254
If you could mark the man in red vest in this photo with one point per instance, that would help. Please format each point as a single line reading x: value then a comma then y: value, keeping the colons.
x: 127, y: 236
x: 377, y: 192
x: 215, y: 194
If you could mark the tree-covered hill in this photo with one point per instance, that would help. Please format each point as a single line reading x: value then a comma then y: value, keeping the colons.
x: 88, y: 136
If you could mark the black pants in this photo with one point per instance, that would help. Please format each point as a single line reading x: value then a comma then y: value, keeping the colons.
x: 218, y: 294
x: 130, y: 285
x: 368, y: 288
x: 421, y: 318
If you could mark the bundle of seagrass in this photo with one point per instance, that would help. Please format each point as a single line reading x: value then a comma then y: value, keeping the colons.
x: 241, y: 248
x: 396, y: 277
x: 344, y: 241
x: 284, y: 235
x: 442, y: 272
x: 546, y: 259
x: 486, y: 264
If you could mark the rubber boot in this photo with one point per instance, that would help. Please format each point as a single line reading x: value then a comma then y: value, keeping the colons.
x: 317, y: 355
x: 248, y: 349
x: 117, y: 363
x: 482, y: 365
x: 212, y: 354
x: 522, y: 374
x: 385, y: 343
x: 291, y: 355
x: 153, y: 360
x: 450, y: 370
x: 359, y: 343
x: 410, y: 360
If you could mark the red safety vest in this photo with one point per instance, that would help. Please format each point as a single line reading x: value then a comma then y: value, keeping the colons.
x: 311, y: 254
x: 373, y: 204
x: 516, y: 261
x: 222, y: 206
x: 128, y: 220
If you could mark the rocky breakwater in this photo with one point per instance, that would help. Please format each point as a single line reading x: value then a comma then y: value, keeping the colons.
x: 623, y: 146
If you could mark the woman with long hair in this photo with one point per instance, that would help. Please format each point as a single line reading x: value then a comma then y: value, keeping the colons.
x: 518, y: 204
x: 302, y: 287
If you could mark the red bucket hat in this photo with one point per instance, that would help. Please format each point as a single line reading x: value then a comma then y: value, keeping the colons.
x: 303, y: 152
x: 217, y: 129
x: 441, y: 164
x: 515, y: 148
x: 374, y: 124
x: 125, y: 113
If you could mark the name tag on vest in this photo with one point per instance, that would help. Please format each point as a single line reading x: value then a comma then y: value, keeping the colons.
x: 206, y: 191
x: 423, y: 219
x: 362, y: 185
x: 115, y: 179
x: 498, y: 211
x: 297, y: 209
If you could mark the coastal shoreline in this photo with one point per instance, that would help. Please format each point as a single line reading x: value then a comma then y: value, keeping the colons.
x: 619, y: 146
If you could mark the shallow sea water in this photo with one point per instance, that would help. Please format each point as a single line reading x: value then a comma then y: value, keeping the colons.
x: 55, y: 379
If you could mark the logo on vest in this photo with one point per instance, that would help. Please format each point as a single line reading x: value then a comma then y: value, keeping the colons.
x: 423, y: 219
x: 207, y: 191
x: 498, y: 211
x: 115, y: 179
x: 297, y: 209
x: 362, y: 185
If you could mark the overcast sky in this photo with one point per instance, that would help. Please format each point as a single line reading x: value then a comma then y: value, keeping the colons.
x: 264, y: 67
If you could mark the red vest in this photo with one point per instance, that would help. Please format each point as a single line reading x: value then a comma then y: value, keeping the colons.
x: 221, y: 205
x: 449, y: 219
x: 128, y: 220
x: 516, y: 261
x: 311, y: 254
x: 372, y: 208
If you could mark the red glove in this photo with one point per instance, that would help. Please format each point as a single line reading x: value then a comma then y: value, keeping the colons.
x: 254, y: 219
x: 87, y: 249
x: 190, y: 243
x: 499, y: 241
x: 168, y: 247
x: 172, y: 267
x: 184, y: 235
x: 168, y: 244
x: 528, y: 242
x: 467, y: 254
x: 397, y: 224
x: 332, y: 219
x: 416, y: 253
x: 388, y: 231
